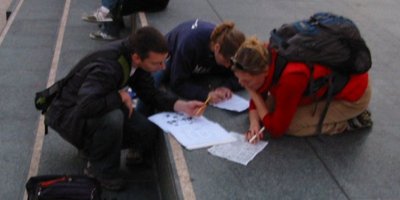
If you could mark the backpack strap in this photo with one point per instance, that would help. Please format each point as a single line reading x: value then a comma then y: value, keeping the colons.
x: 336, y: 82
x: 50, y: 93
x: 40, y: 100
x: 312, y: 89
x: 280, y: 65
x: 311, y: 82
x: 126, y: 69
x: 328, y: 102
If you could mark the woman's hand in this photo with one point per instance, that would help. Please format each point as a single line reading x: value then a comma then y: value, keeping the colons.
x: 253, y: 135
x: 220, y: 94
x: 251, y: 92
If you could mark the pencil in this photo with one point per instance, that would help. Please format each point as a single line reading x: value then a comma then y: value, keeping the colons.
x: 204, y: 106
x: 207, y: 100
x: 199, y: 110
x: 259, y: 132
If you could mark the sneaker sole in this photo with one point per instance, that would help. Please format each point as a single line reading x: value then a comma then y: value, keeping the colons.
x: 95, y: 21
x: 97, y: 37
x: 92, y: 19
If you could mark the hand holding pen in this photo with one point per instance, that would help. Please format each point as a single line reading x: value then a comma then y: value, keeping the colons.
x: 215, y: 96
x: 256, y: 137
x: 204, y: 106
x: 219, y: 94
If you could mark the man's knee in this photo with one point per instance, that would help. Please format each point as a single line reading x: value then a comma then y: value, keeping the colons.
x: 111, y: 124
x: 114, y: 118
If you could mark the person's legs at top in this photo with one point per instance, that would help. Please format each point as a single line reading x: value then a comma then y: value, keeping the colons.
x: 111, y: 13
x: 102, y: 14
x: 110, y: 4
x: 108, y: 31
x: 131, y: 6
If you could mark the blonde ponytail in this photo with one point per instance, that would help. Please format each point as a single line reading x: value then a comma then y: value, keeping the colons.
x: 228, y: 37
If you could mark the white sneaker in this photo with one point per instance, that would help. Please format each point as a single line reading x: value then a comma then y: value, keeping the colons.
x: 98, y: 16
x: 100, y: 35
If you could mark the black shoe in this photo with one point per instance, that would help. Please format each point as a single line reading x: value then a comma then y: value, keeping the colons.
x: 115, y: 183
x: 361, y: 121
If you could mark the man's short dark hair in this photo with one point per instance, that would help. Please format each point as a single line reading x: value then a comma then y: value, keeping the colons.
x: 148, y: 39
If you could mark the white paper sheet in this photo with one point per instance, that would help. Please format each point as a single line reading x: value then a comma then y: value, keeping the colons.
x: 192, y: 133
x: 236, y: 103
x: 240, y: 151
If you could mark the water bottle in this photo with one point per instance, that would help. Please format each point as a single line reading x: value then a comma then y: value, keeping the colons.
x: 132, y: 93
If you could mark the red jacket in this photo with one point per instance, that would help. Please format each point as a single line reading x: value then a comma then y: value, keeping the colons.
x: 288, y: 92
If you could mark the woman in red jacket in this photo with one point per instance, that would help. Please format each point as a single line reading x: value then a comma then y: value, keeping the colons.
x: 282, y: 107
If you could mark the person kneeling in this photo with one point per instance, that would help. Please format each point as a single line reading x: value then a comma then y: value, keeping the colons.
x: 94, y: 112
x: 282, y: 107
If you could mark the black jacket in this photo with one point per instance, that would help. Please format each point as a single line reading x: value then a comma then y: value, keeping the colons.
x: 93, y: 91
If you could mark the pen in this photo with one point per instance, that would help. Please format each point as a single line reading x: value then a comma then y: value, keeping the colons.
x: 204, y: 106
x: 259, y: 132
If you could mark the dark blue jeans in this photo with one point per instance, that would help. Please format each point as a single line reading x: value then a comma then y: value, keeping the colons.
x: 109, y: 134
x: 110, y: 4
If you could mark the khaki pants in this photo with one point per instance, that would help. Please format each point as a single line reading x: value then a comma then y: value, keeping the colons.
x: 305, y: 124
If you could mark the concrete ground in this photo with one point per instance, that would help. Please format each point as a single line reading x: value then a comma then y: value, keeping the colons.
x: 359, y: 165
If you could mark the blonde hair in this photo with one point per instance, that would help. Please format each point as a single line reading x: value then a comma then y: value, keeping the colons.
x: 252, y: 56
x: 228, y: 37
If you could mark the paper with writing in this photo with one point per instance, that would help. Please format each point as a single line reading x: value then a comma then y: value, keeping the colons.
x: 240, y: 151
x: 192, y: 132
x: 236, y: 103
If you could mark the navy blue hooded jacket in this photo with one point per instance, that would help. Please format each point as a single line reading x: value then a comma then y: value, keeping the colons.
x: 191, y: 58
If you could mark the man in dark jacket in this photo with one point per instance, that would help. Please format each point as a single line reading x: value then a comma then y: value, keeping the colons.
x: 94, y: 112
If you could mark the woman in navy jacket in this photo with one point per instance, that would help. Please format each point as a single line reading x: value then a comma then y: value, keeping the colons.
x: 199, y: 53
